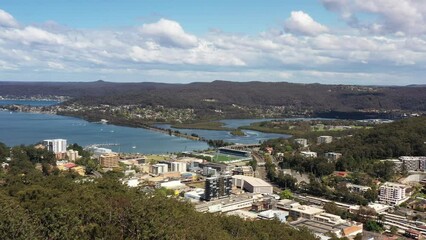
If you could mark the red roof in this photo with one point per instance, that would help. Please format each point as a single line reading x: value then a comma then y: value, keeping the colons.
x: 70, y: 165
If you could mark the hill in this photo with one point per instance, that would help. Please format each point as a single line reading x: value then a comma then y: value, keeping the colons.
x: 225, y: 95
x: 52, y: 206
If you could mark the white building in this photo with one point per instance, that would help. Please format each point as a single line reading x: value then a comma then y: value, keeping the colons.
x: 56, y: 145
x: 307, y: 154
x: 194, y: 195
x: 274, y: 214
x: 333, y: 156
x: 160, y: 168
x: 324, y: 139
x: 303, y: 142
x: 178, y: 167
x: 252, y: 184
x: 393, y: 193
x: 357, y: 188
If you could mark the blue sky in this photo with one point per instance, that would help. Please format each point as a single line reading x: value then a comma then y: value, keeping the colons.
x: 198, y: 16
x: 325, y: 41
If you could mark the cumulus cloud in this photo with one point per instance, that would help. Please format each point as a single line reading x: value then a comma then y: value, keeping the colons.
x: 7, y: 20
x: 301, y: 23
x: 393, y: 16
x: 169, y: 33
x: 163, y: 51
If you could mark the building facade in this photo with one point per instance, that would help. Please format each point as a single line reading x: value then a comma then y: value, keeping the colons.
x: 56, y: 145
x: 159, y: 168
x: 109, y: 160
x: 217, y: 187
x: 303, y: 142
x: 333, y: 156
x: 178, y: 167
x: 324, y: 139
x: 393, y: 193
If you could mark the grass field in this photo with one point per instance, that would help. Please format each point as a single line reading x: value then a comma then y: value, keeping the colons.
x: 224, y: 158
x: 155, y: 158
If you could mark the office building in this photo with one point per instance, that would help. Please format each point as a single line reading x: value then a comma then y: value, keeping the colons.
x: 324, y: 139
x: 252, y: 184
x: 56, y: 145
x: 109, y: 160
x: 393, y: 193
x: 217, y: 187
x: 159, y: 168
x: 178, y: 167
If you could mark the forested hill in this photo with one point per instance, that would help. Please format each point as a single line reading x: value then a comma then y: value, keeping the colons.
x: 316, y: 97
x: 401, y: 138
x: 37, y: 206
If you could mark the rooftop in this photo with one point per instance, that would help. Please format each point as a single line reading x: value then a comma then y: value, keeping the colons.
x: 252, y: 181
x: 392, y: 184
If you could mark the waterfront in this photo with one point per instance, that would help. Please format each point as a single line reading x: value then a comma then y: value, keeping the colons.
x: 28, y: 128
x: 249, y: 138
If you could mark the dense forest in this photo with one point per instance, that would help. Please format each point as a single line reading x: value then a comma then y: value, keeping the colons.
x: 223, y: 94
x: 47, y: 204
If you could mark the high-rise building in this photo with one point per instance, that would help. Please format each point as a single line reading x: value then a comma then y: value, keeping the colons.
x: 178, y: 167
x: 393, y: 193
x: 217, y: 187
x: 56, y: 145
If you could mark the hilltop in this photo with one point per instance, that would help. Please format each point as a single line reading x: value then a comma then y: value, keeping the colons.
x: 232, y: 98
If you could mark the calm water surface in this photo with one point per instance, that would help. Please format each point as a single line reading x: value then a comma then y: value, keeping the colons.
x: 28, y: 128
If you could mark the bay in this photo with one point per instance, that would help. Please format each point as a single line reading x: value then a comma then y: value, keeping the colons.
x: 34, y: 103
x: 29, y: 128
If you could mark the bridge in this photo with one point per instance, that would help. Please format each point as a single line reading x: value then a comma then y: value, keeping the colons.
x: 243, y: 146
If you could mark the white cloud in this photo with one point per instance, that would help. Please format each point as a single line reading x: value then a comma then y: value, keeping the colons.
x: 301, y: 23
x: 392, y: 16
x: 7, y: 20
x: 169, y: 33
x: 163, y: 51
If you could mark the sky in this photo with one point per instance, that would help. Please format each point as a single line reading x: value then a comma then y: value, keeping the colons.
x: 374, y: 42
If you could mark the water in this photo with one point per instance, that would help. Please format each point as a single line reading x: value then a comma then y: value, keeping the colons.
x: 29, y: 128
x: 251, y: 137
x: 28, y: 102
